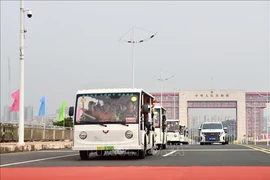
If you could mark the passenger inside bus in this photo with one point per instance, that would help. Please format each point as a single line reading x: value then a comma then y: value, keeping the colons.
x: 129, y: 112
x: 105, y: 114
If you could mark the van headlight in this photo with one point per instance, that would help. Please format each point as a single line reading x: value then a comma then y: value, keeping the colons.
x: 83, y: 135
x: 129, y: 134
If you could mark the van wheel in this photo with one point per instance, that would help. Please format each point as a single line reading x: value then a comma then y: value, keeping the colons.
x: 84, y: 155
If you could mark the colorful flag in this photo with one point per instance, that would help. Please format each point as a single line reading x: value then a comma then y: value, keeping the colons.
x: 16, y: 103
x: 62, y: 112
x: 42, y: 106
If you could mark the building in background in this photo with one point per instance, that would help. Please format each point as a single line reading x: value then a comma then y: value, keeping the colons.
x: 170, y: 100
x: 6, y: 117
x: 251, y: 114
x: 28, y: 113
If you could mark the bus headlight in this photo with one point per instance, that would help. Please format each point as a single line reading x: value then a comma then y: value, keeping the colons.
x: 83, y: 135
x: 129, y: 134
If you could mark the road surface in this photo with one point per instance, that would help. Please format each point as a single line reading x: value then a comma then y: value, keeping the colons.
x: 183, y: 159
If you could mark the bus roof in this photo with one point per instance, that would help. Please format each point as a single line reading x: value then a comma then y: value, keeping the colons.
x: 173, y: 120
x: 159, y: 106
x: 114, y: 90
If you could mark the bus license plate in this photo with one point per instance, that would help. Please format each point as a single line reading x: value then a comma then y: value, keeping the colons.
x: 105, y: 148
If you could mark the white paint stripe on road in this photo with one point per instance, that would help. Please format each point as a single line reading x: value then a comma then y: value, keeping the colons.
x: 216, y: 150
x: 36, y: 160
x: 56, y: 151
x: 169, y: 153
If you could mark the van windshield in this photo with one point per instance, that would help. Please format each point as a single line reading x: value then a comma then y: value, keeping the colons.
x: 212, y: 126
x: 107, y: 108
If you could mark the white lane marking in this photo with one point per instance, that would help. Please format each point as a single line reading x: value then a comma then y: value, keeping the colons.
x: 40, y: 151
x: 36, y: 160
x: 216, y: 150
x: 199, y: 150
x: 56, y: 151
x: 169, y: 153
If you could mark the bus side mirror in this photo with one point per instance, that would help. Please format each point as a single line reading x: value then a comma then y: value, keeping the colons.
x: 145, y: 109
x: 163, y: 117
x: 71, y: 111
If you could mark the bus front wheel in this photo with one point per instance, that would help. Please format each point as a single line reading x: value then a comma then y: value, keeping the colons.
x: 84, y: 155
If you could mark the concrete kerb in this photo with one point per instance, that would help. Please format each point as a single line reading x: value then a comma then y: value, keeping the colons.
x: 33, y: 146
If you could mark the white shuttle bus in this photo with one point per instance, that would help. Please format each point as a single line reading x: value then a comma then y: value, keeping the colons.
x: 160, y: 126
x: 113, y: 119
x: 176, y: 133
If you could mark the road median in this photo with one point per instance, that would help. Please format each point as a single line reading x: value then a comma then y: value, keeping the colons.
x: 33, y: 146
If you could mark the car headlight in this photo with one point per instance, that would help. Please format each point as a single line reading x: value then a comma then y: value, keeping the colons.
x: 129, y: 134
x: 83, y: 135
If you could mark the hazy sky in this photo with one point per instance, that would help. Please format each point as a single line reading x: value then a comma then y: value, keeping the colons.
x: 74, y: 45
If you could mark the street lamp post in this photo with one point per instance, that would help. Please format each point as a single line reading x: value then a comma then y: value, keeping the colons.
x: 161, y: 79
x: 267, y: 120
x: 133, y: 42
x: 21, y: 105
x: 174, y: 103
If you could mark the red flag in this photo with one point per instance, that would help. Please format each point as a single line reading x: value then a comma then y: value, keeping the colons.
x: 16, y: 103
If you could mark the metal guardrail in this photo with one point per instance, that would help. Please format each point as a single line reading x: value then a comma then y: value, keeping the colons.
x: 9, y: 133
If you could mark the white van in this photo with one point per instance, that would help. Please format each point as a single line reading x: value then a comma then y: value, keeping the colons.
x: 212, y: 132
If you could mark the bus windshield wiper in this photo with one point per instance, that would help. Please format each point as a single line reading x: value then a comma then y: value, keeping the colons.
x: 123, y: 123
x: 103, y: 124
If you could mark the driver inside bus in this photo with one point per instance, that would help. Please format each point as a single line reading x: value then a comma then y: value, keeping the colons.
x: 88, y: 114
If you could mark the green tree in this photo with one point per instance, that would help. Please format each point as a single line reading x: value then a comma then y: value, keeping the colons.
x: 67, y: 122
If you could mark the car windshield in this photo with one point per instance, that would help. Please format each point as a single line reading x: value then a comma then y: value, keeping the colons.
x: 212, y: 126
x: 173, y: 126
x: 107, y: 108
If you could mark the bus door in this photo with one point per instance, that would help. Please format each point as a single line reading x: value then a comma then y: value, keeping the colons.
x: 146, y: 116
x: 164, y: 127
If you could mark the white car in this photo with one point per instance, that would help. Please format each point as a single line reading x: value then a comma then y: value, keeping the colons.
x: 212, y: 132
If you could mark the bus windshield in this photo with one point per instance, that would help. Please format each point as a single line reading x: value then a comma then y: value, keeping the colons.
x: 157, y: 118
x: 107, y: 108
x: 173, y: 126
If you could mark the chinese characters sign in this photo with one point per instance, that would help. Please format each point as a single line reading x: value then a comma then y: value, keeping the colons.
x: 212, y: 95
